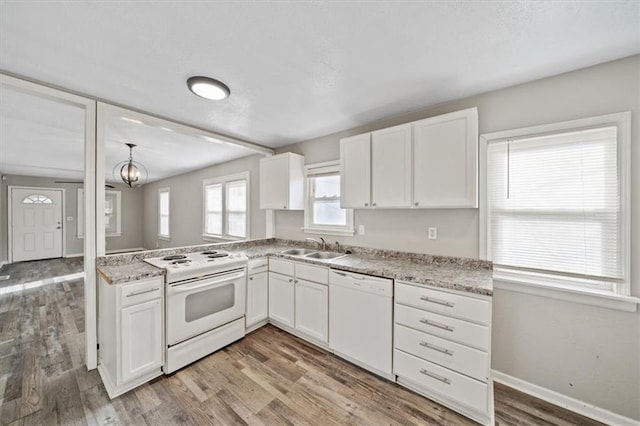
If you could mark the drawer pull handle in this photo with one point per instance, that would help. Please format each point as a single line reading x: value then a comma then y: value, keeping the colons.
x: 436, y: 324
x: 137, y: 293
x: 435, y: 376
x: 436, y: 348
x: 437, y: 301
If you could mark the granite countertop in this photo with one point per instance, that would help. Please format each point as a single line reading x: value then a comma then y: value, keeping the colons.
x: 116, y: 274
x: 467, y: 275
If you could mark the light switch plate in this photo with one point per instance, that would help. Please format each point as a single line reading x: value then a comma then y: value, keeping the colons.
x: 433, y: 233
x: 360, y: 229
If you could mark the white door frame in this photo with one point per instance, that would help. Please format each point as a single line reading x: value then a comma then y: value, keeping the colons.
x: 10, y: 189
x: 89, y: 108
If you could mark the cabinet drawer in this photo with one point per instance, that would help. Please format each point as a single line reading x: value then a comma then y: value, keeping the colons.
x: 467, y: 308
x: 141, y: 291
x: 454, y: 356
x: 460, y: 331
x: 283, y: 267
x: 256, y: 266
x: 432, y: 378
x: 316, y: 274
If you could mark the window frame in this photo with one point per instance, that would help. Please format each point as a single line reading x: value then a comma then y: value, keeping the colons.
x: 223, y: 181
x: 80, y: 210
x: 538, y: 283
x: 161, y: 236
x: 311, y: 170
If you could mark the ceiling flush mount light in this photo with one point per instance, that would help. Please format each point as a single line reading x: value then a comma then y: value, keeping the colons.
x: 131, y: 172
x: 208, y: 88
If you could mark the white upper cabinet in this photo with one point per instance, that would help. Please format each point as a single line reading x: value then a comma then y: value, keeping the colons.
x: 391, y: 167
x: 355, y: 171
x: 445, y: 158
x: 282, y: 182
x: 431, y: 163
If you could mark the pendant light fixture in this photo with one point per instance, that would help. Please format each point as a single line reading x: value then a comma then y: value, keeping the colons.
x: 208, y: 88
x: 131, y: 172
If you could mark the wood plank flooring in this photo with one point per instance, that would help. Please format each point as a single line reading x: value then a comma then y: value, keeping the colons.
x: 268, y: 378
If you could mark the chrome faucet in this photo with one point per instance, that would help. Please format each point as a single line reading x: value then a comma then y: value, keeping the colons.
x: 322, y: 243
x: 338, y: 246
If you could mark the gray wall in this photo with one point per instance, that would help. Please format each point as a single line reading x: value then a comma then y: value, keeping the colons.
x: 585, y: 352
x: 186, y: 204
x: 132, y: 219
x: 131, y: 214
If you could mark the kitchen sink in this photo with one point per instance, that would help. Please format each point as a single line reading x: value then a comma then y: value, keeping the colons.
x: 298, y: 252
x: 326, y: 255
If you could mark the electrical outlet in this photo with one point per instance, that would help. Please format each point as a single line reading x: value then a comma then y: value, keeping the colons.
x: 433, y: 233
x: 69, y: 218
x: 360, y: 229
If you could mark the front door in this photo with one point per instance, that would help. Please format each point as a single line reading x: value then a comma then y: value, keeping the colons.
x: 36, y: 223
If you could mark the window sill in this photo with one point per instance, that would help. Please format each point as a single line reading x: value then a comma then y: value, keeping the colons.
x: 585, y: 296
x: 164, y: 238
x: 339, y: 232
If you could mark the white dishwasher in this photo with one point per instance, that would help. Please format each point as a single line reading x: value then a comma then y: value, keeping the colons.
x: 360, y: 320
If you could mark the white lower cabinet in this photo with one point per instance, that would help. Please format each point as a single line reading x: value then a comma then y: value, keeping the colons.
x: 257, y: 299
x: 441, y: 347
x: 257, y: 312
x: 140, y: 339
x: 131, y: 333
x: 281, y: 299
x: 299, y: 298
x: 312, y: 309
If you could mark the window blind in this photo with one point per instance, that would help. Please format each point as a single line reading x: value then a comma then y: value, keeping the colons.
x: 554, y: 203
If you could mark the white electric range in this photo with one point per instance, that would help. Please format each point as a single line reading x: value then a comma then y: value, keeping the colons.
x: 205, y: 303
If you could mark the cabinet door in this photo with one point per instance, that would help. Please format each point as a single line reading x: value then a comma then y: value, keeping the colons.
x: 446, y: 160
x: 312, y: 309
x: 391, y: 167
x: 257, y: 298
x: 141, y: 340
x: 281, y: 298
x: 274, y: 182
x: 355, y: 171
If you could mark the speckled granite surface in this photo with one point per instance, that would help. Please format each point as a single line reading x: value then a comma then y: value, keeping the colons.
x: 469, y: 275
x: 116, y: 274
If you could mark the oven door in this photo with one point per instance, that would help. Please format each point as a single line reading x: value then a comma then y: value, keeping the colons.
x: 202, y: 304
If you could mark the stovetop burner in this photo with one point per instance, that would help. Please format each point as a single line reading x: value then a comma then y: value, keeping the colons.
x: 206, y: 253
x: 175, y: 257
x: 180, y: 261
x: 217, y: 255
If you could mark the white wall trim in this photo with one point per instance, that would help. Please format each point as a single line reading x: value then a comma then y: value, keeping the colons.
x: 564, y: 401
x: 127, y: 250
x: 74, y: 255
x: 583, y: 296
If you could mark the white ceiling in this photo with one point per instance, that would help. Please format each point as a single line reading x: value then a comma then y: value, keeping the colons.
x: 299, y: 70
x: 43, y: 137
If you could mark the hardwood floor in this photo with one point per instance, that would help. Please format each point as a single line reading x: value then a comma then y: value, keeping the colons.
x: 268, y: 378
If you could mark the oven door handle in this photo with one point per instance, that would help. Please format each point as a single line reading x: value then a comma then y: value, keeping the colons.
x: 195, y: 286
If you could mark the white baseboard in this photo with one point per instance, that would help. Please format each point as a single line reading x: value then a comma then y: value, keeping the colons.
x: 4, y: 262
x: 127, y: 250
x: 73, y: 255
x: 571, y: 404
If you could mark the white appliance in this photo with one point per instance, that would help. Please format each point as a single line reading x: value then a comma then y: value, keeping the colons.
x: 360, y: 320
x: 205, y: 304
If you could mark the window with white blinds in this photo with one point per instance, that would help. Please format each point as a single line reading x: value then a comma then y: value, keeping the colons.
x: 322, y: 213
x: 554, y: 205
x: 225, y: 207
x: 163, y: 213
